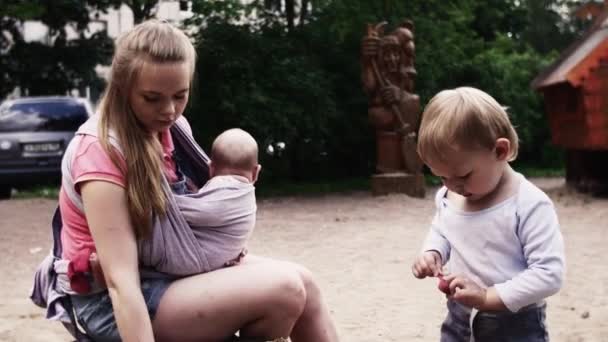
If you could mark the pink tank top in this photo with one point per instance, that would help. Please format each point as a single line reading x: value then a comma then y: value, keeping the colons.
x: 91, y: 162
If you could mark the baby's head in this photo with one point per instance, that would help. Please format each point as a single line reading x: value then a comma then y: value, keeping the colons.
x: 235, y: 152
x: 466, y: 138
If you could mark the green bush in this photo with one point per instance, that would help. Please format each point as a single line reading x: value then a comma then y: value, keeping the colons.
x: 301, y: 86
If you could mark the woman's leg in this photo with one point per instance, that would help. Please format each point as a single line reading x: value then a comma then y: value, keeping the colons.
x: 315, y: 323
x: 257, y: 298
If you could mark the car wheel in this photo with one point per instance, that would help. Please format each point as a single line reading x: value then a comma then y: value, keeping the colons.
x: 5, y: 192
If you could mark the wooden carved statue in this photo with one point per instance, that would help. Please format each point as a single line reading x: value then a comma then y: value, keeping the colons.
x: 388, y: 79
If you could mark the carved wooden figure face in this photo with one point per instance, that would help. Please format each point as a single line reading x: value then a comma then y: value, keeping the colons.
x: 390, y: 55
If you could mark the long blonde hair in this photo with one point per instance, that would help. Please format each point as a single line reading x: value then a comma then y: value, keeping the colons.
x: 156, y: 42
x: 465, y: 118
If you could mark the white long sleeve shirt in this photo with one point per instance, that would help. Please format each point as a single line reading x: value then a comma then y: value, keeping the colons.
x: 515, y: 246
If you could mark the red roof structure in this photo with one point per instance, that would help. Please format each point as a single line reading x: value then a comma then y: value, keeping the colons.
x: 575, y: 89
x: 575, y: 92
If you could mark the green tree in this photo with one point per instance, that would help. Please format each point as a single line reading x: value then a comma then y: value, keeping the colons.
x: 290, y: 10
x: 142, y: 9
x: 301, y: 83
x: 60, y: 64
x: 267, y: 84
x: 12, y: 13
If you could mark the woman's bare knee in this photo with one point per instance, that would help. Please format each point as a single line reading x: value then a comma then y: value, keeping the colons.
x: 315, y: 323
x: 265, y: 299
x: 284, y: 305
x: 290, y: 294
x: 313, y: 292
x: 292, y: 282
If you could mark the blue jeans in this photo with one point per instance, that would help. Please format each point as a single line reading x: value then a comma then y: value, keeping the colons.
x: 527, y: 325
x: 95, y: 314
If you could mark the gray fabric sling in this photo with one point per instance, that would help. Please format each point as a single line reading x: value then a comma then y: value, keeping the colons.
x: 172, y: 250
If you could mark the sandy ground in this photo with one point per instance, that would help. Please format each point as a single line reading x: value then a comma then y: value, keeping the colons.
x: 360, y: 248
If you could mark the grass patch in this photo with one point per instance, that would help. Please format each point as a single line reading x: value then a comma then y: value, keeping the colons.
x: 41, y: 191
x: 312, y: 188
x: 432, y: 180
x: 309, y: 188
x: 528, y: 171
x: 531, y: 171
x: 325, y: 187
x: 262, y: 189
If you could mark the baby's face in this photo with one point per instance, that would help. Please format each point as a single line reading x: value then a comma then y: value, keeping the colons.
x: 471, y: 174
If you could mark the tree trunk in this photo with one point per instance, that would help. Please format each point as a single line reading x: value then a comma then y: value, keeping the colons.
x: 290, y: 13
x: 272, y: 5
x: 142, y: 9
x: 304, y: 11
x: 585, y: 171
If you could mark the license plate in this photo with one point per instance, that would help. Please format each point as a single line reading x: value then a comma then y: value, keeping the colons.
x: 41, y: 147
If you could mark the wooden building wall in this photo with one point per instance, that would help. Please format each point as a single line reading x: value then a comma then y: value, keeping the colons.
x: 565, y: 109
x: 595, y: 91
x: 579, y: 116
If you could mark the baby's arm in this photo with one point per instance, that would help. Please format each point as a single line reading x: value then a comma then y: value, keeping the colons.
x: 543, y: 249
x: 427, y: 264
x: 436, y: 241
x: 435, y: 253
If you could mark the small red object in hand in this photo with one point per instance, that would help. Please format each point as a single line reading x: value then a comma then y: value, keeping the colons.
x: 443, y: 285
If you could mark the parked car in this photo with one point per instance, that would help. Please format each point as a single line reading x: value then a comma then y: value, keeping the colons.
x: 34, y: 132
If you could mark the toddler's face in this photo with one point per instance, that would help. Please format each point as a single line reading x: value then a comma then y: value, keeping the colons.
x: 471, y: 174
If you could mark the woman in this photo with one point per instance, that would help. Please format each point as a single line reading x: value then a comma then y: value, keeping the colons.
x: 120, y: 166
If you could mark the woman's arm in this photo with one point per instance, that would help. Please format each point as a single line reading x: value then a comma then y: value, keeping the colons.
x: 105, y: 206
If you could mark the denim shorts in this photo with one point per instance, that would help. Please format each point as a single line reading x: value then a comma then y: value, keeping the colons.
x: 526, y: 325
x: 95, y: 314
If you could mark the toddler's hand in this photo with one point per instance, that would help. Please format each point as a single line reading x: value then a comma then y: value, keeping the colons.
x: 443, y: 285
x: 465, y: 291
x: 428, y: 264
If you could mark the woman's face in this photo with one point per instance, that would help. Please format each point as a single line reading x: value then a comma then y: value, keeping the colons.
x: 159, y: 94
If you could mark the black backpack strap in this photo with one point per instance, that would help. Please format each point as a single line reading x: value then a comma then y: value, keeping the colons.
x: 189, y: 156
x: 57, y: 225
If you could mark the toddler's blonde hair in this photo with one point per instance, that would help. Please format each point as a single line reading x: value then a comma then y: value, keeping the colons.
x: 463, y: 118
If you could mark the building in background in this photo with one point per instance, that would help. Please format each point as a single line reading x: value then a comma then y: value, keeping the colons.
x: 574, y: 89
x: 115, y: 21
